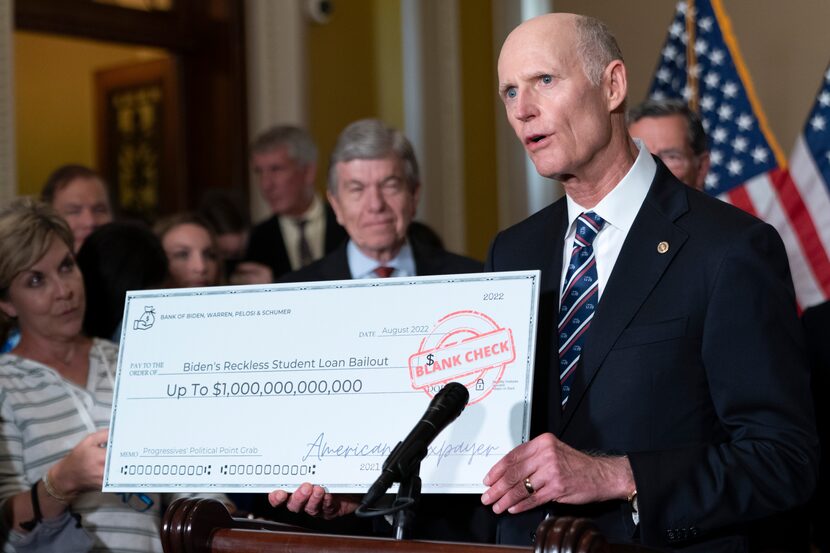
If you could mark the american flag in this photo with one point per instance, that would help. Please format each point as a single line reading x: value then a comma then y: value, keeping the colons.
x: 810, y: 170
x: 701, y: 63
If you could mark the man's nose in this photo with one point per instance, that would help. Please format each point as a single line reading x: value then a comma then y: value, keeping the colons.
x: 525, y: 107
x: 375, y: 199
x: 86, y: 218
x: 266, y: 181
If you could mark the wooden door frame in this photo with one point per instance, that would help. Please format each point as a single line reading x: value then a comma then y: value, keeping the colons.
x: 209, y: 48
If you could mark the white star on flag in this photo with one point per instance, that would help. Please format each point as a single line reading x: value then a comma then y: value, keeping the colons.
x: 711, y: 80
x: 725, y: 112
x: 744, y: 122
x: 740, y: 144
x: 759, y: 154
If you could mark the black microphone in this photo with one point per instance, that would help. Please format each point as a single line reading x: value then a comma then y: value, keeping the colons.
x: 443, y: 409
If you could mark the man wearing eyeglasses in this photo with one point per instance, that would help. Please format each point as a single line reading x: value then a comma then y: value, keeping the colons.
x: 674, y: 133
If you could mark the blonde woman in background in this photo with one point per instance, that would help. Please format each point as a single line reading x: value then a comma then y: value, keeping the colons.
x: 55, y: 400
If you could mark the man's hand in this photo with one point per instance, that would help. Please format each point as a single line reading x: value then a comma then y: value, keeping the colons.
x: 250, y: 272
x: 557, y: 472
x: 315, y: 501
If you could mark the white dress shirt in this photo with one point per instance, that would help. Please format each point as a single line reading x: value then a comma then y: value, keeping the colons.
x: 618, y: 209
x: 315, y: 232
x: 363, y: 266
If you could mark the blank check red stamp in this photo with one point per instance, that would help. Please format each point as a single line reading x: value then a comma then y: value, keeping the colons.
x: 467, y: 347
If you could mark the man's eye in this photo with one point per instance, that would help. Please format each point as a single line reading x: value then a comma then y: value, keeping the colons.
x: 510, y: 92
x: 392, y: 186
x: 546, y: 79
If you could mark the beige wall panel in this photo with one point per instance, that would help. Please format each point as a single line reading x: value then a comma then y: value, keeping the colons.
x: 54, y: 99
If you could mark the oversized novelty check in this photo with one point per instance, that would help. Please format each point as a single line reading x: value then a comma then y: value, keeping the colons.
x: 255, y: 388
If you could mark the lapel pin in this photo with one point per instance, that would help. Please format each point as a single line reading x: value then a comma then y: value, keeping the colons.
x: 663, y: 247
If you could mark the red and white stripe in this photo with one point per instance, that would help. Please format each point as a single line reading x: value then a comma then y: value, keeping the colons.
x: 801, y: 217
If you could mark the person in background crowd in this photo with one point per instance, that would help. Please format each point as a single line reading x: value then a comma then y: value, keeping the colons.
x: 79, y: 195
x: 674, y: 133
x: 302, y: 228
x: 51, y: 465
x: 374, y: 186
x: 114, y: 259
x: 221, y: 210
x: 192, y: 255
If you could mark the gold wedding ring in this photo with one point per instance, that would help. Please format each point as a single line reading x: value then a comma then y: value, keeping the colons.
x: 529, y: 487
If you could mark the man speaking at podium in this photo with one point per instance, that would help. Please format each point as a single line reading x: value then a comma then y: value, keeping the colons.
x: 671, y: 395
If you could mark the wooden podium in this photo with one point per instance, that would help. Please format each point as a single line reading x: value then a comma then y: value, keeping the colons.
x: 205, y: 526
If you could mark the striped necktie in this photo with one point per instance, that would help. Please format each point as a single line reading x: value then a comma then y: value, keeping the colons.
x: 306, y: 257
x: 580, y: 296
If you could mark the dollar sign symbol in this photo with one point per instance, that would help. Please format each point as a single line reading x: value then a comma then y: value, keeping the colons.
x: 430, y: 360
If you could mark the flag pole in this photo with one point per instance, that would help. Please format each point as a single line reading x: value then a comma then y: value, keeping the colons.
x: 691, y: 59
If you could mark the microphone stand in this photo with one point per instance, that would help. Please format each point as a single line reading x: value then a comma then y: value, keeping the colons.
x: 409, y: 495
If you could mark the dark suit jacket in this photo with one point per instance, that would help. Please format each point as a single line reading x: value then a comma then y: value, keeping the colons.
x: 266, y: 246
x: 428, y: 261
x: 817, y: 330
x: 693, y: 366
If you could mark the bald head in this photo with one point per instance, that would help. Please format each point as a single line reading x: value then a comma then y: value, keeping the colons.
x: 592, y: 41
x: 563, y: 83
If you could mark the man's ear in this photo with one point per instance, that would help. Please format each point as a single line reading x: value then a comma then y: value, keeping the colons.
x: 615, y: 81
x: 334, y: 202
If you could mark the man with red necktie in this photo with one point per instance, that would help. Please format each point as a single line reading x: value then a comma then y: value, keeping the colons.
x: 373, y: 188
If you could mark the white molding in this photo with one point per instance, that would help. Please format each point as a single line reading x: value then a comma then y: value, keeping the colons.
x: 521, y: 190
x: 510, y: 155
x: 276, y: 68
x: 8, y: 160
x: 432, y: 111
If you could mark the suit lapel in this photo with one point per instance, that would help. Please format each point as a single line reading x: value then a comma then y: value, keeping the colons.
x: 426, y: 262
x: 336, y: 265
x: 636, y: 272
x: 547, y: 257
